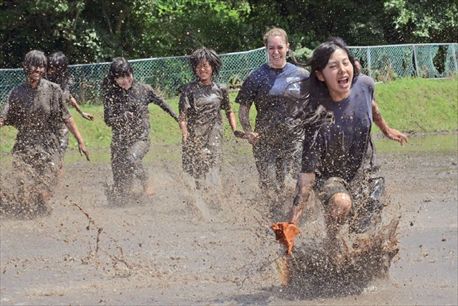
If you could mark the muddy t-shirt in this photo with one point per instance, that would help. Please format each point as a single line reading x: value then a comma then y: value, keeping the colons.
x: 339, y: 148
x: 278, y: 95
x: 37, y: 114
x: 126, y: 111
x: 202, y: 105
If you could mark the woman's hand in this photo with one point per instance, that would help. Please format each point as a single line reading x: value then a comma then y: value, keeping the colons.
x: 252, y: 137
x: 87, y: 116
x: 83, y: 150
x: 395, y: 135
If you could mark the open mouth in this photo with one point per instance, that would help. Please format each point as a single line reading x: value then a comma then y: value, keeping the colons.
x: 343, y: 82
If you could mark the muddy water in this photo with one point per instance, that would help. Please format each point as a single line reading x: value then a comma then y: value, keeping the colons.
x: 182, y: 247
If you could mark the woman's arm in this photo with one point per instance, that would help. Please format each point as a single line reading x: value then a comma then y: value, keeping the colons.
x: 71, y: 125
x: 75, y: 104
x: 389, y: 132
x: 304, y: 187
x: 231, y: 118
x: 183, y: 126
x: 162, y: 104
x: 244, y: 117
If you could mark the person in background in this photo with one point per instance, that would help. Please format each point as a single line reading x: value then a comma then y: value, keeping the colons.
x: 126, y: 111
x: 58, y: 73
x: 279, y: 95
x: 201, y: 102
x: 37, y: 110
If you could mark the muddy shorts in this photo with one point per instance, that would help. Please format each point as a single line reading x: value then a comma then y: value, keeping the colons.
x: 363, y: 188
x: 328, y: 188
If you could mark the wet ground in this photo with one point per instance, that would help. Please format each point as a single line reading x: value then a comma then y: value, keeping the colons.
x: 182, y: 247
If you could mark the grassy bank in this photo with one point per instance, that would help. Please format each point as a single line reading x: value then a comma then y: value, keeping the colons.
x: 420, y: 105
x: 411, y: 105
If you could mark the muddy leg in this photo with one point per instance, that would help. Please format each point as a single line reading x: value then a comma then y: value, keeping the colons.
x: 339, y: 207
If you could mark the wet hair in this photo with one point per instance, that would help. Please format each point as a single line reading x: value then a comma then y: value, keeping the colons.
x: 59, y: 63
x: 35, y: 58
x: 119, y: 67
x: 320, y: 59
x: 275, y: 32
x: 204, y: 54
x: 322, y: 54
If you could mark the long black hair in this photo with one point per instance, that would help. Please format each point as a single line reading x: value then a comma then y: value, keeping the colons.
x: 58, y: 62
x: 204, y: 54
x: 119, y: 67
x: 320, y: 59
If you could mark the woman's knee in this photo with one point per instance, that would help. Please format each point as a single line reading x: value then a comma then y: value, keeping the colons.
x: 341, y: 204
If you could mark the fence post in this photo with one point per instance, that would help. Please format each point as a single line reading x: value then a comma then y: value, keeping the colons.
x: 415, y: 59
x: 368, y: 55
x: 454, y: 57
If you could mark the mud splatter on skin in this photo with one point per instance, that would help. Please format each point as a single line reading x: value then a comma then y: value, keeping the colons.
x: 321, y: 268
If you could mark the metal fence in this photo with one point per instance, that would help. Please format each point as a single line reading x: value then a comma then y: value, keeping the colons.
x: 414, y: 60
x: 168, y: 74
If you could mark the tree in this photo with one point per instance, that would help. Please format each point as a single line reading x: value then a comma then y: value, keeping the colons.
x: 46, y: 25
x: 421, y: 21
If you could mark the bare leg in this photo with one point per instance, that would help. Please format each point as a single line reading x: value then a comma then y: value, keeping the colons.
x: 339, y: 208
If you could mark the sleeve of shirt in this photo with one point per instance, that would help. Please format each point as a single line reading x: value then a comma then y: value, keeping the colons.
x: 5, y: 113
x: 371, y: 85
x: 247, y: 93
x: 108, y: 115
x: 64, y: 114
x: 369, y: 90
x: 183, y: 102
x: 66, y: 95
x: 312, y: 150
x: 225, y: 103
x: 152, y: 97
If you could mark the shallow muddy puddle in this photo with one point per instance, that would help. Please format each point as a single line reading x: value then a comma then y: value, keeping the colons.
x: 166, y: 252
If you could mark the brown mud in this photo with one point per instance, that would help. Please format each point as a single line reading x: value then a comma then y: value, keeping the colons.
x: 187, y: 247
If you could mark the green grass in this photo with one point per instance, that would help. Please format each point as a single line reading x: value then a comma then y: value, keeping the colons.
x: 434, y: 143
x: 412, y: 105
x: 419, y: 105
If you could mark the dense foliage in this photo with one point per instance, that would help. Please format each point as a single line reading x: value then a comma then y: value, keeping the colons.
x: 97, y: 30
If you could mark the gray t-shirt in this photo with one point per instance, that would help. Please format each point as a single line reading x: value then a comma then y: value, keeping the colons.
x: 118, y: 102
x: 279, y: 95
x: 37, y: 114
x: 339, y: 148
x: 202, y: 105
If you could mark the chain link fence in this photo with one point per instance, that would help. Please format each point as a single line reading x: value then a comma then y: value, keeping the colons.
x: 389, y: 62
x: 168, y: 74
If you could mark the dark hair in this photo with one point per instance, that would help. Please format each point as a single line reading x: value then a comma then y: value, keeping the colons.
x: 204, y: 54
x: 119, y: 67
x: 59, y: 63
x: 34, y: 58
x: 320, y: 58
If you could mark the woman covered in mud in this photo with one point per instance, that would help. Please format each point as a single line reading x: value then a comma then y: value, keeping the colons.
x: 58, y: 73
x: 338, y: 156
x: 201, y: 102
x: 277, y: 91
x: 126, y: 112
x: 37, y: 110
